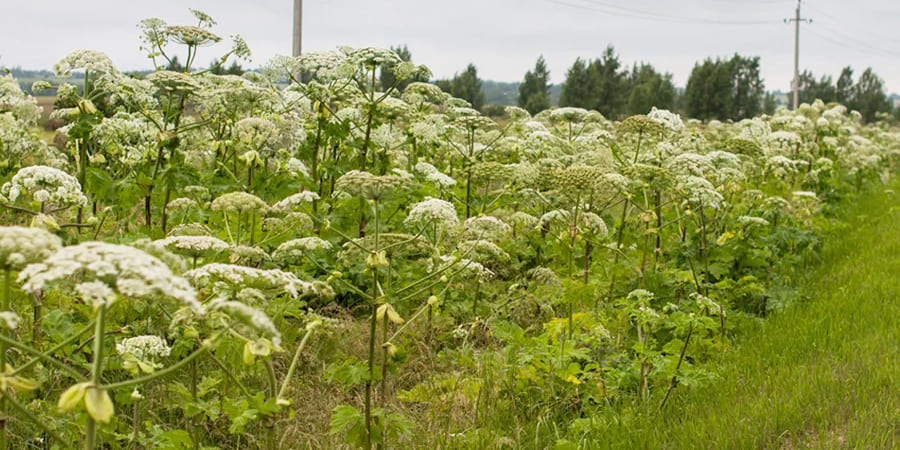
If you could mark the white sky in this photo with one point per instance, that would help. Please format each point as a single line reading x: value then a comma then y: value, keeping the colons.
x: 502, y: 37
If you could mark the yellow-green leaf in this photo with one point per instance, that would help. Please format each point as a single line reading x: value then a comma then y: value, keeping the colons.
x: 22, y: 384
x: 72, y: 396
x: 98, y: 404
x: 249, y: 357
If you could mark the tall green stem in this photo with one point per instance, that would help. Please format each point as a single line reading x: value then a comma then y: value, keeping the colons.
x: 96, y: 372
x: 7, y: 296
x: 294, y: 362
x: 384, y: 369
x: 373, y: 325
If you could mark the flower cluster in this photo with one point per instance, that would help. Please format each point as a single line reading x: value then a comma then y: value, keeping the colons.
x: 433, y: 211
x: 234, y: 277
x: 194, y: 246
x: 46, y: 185
x: 22, y: 246
x: 99, y: 270
x: 486, y: 227
x: 238, y: 201
x: 357, y: 183
x: 148, y: 346
x: 292, y: 202
x: 435, y: 176
x: 88, y: 60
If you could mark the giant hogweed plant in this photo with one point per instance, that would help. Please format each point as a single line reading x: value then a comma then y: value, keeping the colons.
x: 385, y: 254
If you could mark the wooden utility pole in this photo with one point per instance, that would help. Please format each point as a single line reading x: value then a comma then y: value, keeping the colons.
x: 298, y: 27
x: 796, y: 84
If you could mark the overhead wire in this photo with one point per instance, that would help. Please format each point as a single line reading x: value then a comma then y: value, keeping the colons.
x: 622, y: 11
x: 841, y: 22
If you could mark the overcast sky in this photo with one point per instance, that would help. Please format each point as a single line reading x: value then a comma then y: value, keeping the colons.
x: 502, y: 37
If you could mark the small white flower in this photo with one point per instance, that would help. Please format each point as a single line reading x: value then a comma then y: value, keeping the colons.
x: 9, y: 320
x: 238, y: 201
x: 433, y: 210
x: 142, y: 347
x: 292, y: 202
x: 126, y: 270
x: 22, y: 246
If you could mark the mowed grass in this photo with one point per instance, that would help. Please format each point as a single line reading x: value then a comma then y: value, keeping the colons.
x: 823, y: 374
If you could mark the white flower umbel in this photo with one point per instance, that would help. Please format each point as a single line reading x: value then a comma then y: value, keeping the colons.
x: 486, y: 227
x: 127, y: 271
x: 238, y: 201
x: 700, y: 193
x: 9, y: 320
x: 748, y: 221
x: 805, y: 195
x: 46, y: 185
x: 435, y: 211
x: 90, y: 60
x: 466, y: 267
x: 22, y: 246
x: 194, y: 246
x: 95, y: 293
x: 690, y: 164
x: 293, y: 202
x: 296, y: 248
x: 182, y: 203
x: 668, y: 119
x: 482, y: 251
x: 237, y: 277
x: 433, y: 175
x: 141, y: 347
x: 568, y: 115
x: 356, y: 183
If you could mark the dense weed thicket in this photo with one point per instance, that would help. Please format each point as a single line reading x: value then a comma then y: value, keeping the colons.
x: 301, y: 257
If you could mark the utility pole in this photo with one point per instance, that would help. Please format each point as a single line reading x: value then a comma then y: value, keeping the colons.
x: 298, y: 27
x: 796, y: 84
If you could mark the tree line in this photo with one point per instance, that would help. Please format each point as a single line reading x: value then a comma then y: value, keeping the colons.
x: 722, y: 88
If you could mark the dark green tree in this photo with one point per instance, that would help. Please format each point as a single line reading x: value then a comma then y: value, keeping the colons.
x: 534, y: 92
x: 608, y: 85
x: 467, y: 86
x: 445, y: 85
x: 175, y: 65
x: 649, y: 88
x: 869, y: 97
x: 725, y: 89
x: 708, y: 91
x: 747, y: 87
x: 576, y: 90
x: 812, y: 89
x: 234, y: 69
x: 844, y: 86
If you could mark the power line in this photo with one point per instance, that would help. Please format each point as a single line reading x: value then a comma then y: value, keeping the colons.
x: 854, y: 44
x: 621, y: 11
x: 669, y: 17
x: 842, y: 22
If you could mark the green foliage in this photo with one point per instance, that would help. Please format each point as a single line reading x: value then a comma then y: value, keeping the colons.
x: 338, y: 259
x: 465, y: 85
x: 534, y: 92
x: 650, y: 89
x: 725, y: 89
x: 867, y: 95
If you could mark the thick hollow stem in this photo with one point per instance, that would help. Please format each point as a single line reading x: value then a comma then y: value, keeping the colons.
x: 96, y: 372
x: 7, y: 295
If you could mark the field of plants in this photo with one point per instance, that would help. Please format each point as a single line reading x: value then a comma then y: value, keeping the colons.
x: 301, y: 257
